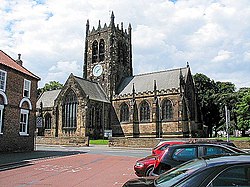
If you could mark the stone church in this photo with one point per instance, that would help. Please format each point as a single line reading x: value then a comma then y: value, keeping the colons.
x: 110, y: 97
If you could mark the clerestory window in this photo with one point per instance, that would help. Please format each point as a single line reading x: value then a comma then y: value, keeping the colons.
x: 144, y: 112
x: 124, y: 113
x: 167, y: 110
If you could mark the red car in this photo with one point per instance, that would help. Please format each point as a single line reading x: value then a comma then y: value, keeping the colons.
x: 144, y: 166
x: 162, y: 146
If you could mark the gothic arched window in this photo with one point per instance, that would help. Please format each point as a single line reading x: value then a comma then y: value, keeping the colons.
x: 70, y: 110
x: 167, y: 110
x: 47, y: 120
x: 98, y: 118
x: 124, y: 113
x: 101, y: 50
x: 94, y: 51
x: 92, y: 117
x: 144, y: 111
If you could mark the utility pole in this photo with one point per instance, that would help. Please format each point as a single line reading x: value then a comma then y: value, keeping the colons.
x: 227, y: 112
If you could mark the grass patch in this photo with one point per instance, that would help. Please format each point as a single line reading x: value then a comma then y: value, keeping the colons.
x: 236, y: 138
x: 99, y: 142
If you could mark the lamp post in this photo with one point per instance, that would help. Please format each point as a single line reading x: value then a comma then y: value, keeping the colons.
x: 227, y: 113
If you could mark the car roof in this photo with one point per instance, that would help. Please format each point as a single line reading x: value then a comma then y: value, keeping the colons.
x: 204, y: 144
x: 225, y: 159
x: 197, y: 144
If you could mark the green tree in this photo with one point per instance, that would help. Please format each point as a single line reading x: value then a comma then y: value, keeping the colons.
x: 206, y: 88
x: 243, y: 111
x: 52, y: 85
x: 226, y: 96
x: 212, y: 98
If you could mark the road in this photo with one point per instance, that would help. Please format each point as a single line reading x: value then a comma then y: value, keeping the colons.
x: 99, y: 149
x: 94, y: 166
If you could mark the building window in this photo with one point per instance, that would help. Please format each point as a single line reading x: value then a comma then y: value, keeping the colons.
x: 94, y: 51
x: 167, y: 110
x: 124, y: 113
x: 144, y: 112
x: 98, y: 118
x: 102, y: 50
x: 1, y: 118
x: 47, y: 121
x: 26, y: 88
x: 92, y: 117
x: 24, y: 122
x: 70, y: 110
x: 3, y: 75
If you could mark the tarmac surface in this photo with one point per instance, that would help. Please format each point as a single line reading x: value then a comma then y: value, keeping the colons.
x: 68, y: 166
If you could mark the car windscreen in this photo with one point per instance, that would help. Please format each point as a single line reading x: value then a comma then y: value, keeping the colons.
x: 179, y: 173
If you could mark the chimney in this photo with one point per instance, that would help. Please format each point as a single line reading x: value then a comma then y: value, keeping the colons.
x: 19, y: 61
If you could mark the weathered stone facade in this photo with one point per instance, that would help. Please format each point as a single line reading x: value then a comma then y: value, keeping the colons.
x: 110, y: 97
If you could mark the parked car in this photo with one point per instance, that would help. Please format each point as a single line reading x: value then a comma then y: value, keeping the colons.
x: 211, y: 171
x: 178, y: 154
x: 162, y: 146
x: 145, y: 166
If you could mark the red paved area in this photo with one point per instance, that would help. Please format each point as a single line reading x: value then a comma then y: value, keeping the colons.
x: 82, y: 170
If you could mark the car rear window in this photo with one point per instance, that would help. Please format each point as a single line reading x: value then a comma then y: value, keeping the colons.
x: 179, y: 172
x: 185, y: 153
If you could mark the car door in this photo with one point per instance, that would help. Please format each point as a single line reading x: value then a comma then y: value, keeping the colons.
x: 213, y: 150
x: 237, y: 175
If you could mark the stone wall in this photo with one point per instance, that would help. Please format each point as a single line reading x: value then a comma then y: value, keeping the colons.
x: 63, y: 141
x: 152, y: 142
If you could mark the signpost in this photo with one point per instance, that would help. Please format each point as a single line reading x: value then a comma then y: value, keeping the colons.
x: 108, y: 133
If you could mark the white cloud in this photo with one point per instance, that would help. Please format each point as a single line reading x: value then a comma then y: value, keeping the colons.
x: 213, y: 36
x: 62, y: 70
x: 222, y: 56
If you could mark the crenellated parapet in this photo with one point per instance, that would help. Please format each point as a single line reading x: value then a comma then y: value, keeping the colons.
x: 119, y: 29
x: 147, y: 94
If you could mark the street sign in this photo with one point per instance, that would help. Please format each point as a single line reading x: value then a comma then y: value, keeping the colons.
x: 39, y: 122
x: 108, y: 133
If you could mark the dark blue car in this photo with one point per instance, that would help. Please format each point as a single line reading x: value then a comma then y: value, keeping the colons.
x: 212, y: 171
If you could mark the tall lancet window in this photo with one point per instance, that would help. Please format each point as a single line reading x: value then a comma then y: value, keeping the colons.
x: 70, y: 111
x: 144, y: 112
x: 167, y: 110
x: 124, y: 113
x: 102, y: 50
x: 94, y: 51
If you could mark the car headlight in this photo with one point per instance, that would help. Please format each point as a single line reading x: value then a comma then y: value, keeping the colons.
x: 139, y: 164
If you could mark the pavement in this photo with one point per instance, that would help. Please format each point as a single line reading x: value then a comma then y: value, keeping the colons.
x: 19, y: 159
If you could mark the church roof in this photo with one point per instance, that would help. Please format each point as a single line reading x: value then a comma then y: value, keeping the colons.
x: 48, y: 98
x: 93, y: 90
x: 168, y: 79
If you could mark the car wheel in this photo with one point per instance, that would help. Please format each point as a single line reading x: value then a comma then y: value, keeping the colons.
x: 149, y: 171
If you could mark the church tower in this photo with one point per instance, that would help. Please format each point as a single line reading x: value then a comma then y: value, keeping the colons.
x: 108, y: 55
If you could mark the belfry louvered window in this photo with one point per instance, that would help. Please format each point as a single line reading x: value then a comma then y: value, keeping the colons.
x: 101, y: 50
x: 70, y: 110
x: 94, y: 51
x: 167, y: 110
x: 124, y: 113
x: 144, y: 112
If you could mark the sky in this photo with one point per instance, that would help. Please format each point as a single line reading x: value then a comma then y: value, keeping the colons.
x: 213, y: 36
